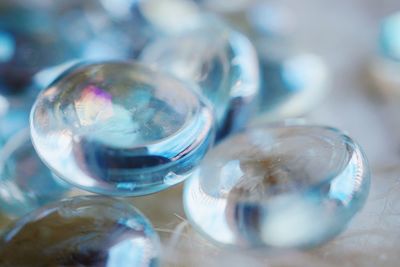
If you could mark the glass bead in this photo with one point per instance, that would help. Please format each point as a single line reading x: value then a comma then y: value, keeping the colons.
x: 280, y: 186
x: 224, y: 65
x: 384, y: 67
x: 120, y: 128
x: 81, y: 231
x: 25, y: 182
x: 293, y: 83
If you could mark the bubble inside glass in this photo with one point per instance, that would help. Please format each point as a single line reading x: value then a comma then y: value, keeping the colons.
x: 221, y: 61
x: 121, y: 129
x: 280, y: 187
x: 25, y: 182
x: 82, y: 231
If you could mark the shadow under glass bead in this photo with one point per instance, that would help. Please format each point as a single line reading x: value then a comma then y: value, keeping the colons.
x: 81, y: 231
x: 280, y: 187
x: 120, y: 128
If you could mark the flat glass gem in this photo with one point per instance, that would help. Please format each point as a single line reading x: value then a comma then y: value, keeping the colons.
x: 280, y: 187
x: 120, y: 128
x: 25, y: 182
x: 81, y: 231
x: 224, y: 64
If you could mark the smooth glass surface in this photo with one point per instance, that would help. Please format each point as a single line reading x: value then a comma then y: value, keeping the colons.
x: 25, y: 182
x: 81, y: 231
x: 120, y: 128
x: 280, y: 187
x: 221, y: 61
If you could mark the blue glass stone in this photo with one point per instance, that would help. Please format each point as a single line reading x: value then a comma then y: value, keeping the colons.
x: 81, y: 231
x: 292, y: 83
x: 279, y: 187
x: 25, y: 182
x: 120, y: 128
x: 221, y: 61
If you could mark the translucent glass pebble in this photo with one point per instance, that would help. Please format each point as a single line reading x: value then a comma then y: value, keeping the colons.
x: 25, y: 182
x: 82, y: 231
x: 223, y: 62
x: 279, y: 187
x: 120, y: 128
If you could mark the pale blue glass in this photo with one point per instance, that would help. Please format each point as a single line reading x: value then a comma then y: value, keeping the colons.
x: 279, y: 187
x: 221, y: 61
x: 293, y: 83
x: 25, y: 182
x: 389, y: 39
x: 120, y: 128
x: 82, y: 231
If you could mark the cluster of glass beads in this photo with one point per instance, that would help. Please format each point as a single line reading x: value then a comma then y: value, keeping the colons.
x: 127, y: 98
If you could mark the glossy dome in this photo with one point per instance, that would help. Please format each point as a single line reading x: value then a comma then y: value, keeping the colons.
x: 121, y: 129
x: 284, y: 187
x: 82, y: 231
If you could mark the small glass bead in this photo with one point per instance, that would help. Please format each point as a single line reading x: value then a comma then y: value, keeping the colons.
x: 384, y: 67
x: 120, y: 128
x: 25, y: 182
x: 223, y: 62
x: 82, y: 231
x: 280, y: 187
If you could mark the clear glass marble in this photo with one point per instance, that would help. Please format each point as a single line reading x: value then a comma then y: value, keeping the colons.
x: 221, y: 61
x: 25, y: 182
x: 279, y: 186
x: 120, y: 128
x: 81, y: 231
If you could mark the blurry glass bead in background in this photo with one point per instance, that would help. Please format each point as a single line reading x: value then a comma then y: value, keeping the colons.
x: 146, y: 20
x: 221, y: 61
x: 292, y: 83
x: 385, y: 67
x: 279, y: 186
x: 82, y: 231
x: 25, y: 182
x: 121, y: 128
x: 29, y: 41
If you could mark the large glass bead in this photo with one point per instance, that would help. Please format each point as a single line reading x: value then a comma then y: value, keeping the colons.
x: 292, y: 83
x: 81, y: 231
x: 25, y: 182
x: 120, y: 128
x: 223, y: 62
x: 279, y: 187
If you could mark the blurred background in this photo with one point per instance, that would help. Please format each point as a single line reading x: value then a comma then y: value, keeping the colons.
x: 334, y: 63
